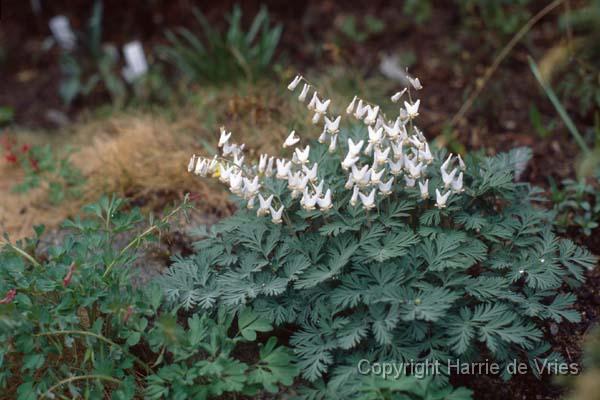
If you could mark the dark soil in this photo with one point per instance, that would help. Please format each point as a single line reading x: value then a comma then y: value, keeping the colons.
x: 448, y: 62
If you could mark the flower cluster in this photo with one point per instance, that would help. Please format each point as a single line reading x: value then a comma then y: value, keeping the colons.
x: 394, y: 153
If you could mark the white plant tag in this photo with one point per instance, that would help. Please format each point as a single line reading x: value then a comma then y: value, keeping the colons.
x: 62, y: 32
x: 135, y: 61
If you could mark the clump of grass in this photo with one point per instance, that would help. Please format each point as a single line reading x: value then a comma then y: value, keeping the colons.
x: 218, y: 57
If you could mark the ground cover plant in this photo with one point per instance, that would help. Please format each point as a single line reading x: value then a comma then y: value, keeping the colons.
x: 74, y: 326
x: 372, y: 245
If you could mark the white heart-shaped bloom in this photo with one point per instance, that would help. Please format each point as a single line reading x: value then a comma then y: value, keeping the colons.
x: 440, y: 200
x: 304, y: 92
x: 333, y: 143
x: 350, y: 107
x: 192, y: 163
x: 276, y: 215
x: 291, y: 140
x: 424, y: 188
x: 412, y: 110
x: 386, y: 188
x: 294, y: 83
x: 354, y: 148
x: 447, y: 178
x: 264, y: 205
x: 224, y: 138
x: 333, y: 126
x: 368, y: 201
x: 325, y: 202
x: 302, y: 155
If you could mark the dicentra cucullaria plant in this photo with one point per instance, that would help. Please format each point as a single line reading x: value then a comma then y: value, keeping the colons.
x: 371, y: 245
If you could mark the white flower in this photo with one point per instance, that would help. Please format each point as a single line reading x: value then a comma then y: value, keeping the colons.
x: 333, y: 126
x: 424, y: 188
x: 235, y: 183
x: 397, y: 150
x: 311, y: 173
x: 304, y: 92
x: 440, y: 200
x: 349, y: 183
x: 251, y: 186
x: 333, y: 143
x: 229, y: 149
x: 354, y: 198
x: 224, y: 138
x: 354, y: 148
x: 283, y: 168
x: 416, y: 142
x: 264, y: 205
x: 291, y: 140
x: 313, y: 101
x: 323, y: 136
x: 212, y: 165
x: 409, y: 181
x: 457, y: 184
x: 361, y: 110
x: 302, y: 154
x: 371, y: 115
x: 294, y: 83
x: 321, y: 107
x: 316, y: 117
x: 368, y: 201
x: 349, y: 161
x: 413, y: 170
x: 376, y: 176
x: 381, y: 157
x: 250, y: 204
x: 425, y: 154
x: 416, y: 83
x: 412, y: 110
x: 319, y: 188
x: 276, y: 215
x: 375, y: 135
x: 395, y: 167
x: 308, y: 202
x: 238, y: 161
x: 350, y: 107
x: 269, y: 169
x: 368, y: 150
x: 201, y: 167
x: 262, y: 163
x: 386, y: 188
x: 448, y: 177
x: 224, y: 173
x: 447, y: 162
x: 461, y: 163
x: 358, y: 175
x: 192, y: 163
x: 393, y: 131
x: 396, y: 97
x: 325, y: 202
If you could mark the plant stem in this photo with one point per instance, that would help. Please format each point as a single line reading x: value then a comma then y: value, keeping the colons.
x: 139, y: 238
x: 79, y: 378
x: 22, y: 253
x: 97, y: 336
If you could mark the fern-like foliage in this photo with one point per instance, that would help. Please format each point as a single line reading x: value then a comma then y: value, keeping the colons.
x: 403, y: 281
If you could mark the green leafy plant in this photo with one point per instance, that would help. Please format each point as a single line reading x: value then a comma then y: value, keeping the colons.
x: 369, y: 26
x: 577, y: 204
x: 362, y: 262
x: 74, y: 325
x: 92, y: 66
x: 224, y: 57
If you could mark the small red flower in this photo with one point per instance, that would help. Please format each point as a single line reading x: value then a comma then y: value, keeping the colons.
x: 25, y: 148
x: 67, y: 278
x: 10, y: 296
x: 10, y: 158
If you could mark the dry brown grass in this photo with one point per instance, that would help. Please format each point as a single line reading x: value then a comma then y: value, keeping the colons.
x: 143, y: 155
